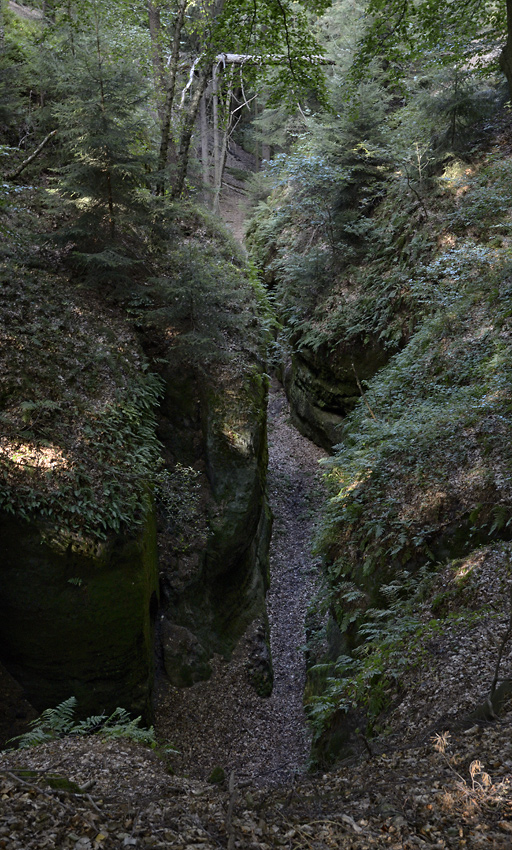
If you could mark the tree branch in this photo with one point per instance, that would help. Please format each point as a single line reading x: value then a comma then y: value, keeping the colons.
x: 411, y: 187
x: 287, y: 37
x: 169, y: 99
x: 11, y: 175
x: 186, y: 134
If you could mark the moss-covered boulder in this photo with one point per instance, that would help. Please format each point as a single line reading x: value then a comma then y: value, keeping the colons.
x: 78, y: 620
x: 15, y: 711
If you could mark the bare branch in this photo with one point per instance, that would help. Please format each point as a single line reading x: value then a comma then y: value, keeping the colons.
x: 11, y: 175
x: 190, y: 81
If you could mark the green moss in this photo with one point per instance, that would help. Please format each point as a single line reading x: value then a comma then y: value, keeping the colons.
x: 217, y: 776
x: 262, y: 682
x: 93, y: 639
x: 218, y: 588
x: 52, y: 780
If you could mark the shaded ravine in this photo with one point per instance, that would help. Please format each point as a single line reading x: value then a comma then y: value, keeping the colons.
x: 222, y: 722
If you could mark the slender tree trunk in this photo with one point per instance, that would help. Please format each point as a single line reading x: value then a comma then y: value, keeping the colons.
x: 222, y: 153
x: 506, y: 53
x: 71, y: 16
x: 3, y: 16
x: 193, y: 109
x: 256, y: 144
x: 11, y: 175
x: 205, y: 153
x: 186, y: 133
x: 165, y: 141
x: 216, y: 135
x: 108, y: 176
x: 155, y: 32
x: 49, y: 10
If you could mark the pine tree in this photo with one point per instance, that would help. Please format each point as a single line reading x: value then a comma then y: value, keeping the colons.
x: 105, y: 131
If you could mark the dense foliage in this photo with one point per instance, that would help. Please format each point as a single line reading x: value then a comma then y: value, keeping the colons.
x: 402, y: 31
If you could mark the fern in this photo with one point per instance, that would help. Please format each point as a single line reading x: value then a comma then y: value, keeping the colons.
x: 59, y: 722
x: 52, y: 723
x: 120, y: 725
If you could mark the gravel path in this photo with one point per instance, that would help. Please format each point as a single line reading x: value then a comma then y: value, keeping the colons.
x: 222, y: 722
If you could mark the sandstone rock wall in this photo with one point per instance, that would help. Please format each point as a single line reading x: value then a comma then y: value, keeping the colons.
x: 322, y: 387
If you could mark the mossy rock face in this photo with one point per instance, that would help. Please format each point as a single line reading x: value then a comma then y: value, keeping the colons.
x: 179, y: 419
x: 236, y: 556
x: 15, y: 712
x: 322, y: 387
x: 212, y: 592
x: 78, y: 622
x: 235, y: 441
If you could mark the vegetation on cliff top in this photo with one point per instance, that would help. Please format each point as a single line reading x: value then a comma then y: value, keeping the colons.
x: 78, y: 439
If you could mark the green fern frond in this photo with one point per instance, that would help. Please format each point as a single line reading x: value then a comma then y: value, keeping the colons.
x: 124, y: 727
x: 52, y: 723
x: 59, y: 722
x: 90, y: 726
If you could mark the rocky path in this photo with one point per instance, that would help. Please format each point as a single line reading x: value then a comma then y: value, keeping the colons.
x: 222, y: 722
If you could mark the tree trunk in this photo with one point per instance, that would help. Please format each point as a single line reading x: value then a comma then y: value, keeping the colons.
x: 186, y: 133
x: 72, y: 18
x: 3, y: 15
x: 165, y: 141
x: 108, y: 176
x: 506, y: 53
x: 256, y: 143
x: 216, y: 133
x: 49, y: 10
x: 11, y: 175
x: 155, y: 32
x: 205, y: 154
x: 222, y: 153
x: 190, y: 118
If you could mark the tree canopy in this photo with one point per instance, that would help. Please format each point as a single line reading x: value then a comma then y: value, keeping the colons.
x: 474, y: 32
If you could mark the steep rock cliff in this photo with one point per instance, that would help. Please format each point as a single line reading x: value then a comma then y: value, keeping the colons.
x: 214, y: 581
x: 87, y: 473
x: 78, y: 565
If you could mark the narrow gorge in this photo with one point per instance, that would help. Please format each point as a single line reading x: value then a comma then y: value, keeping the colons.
x: 255, y: 425
x: 224, y: 723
